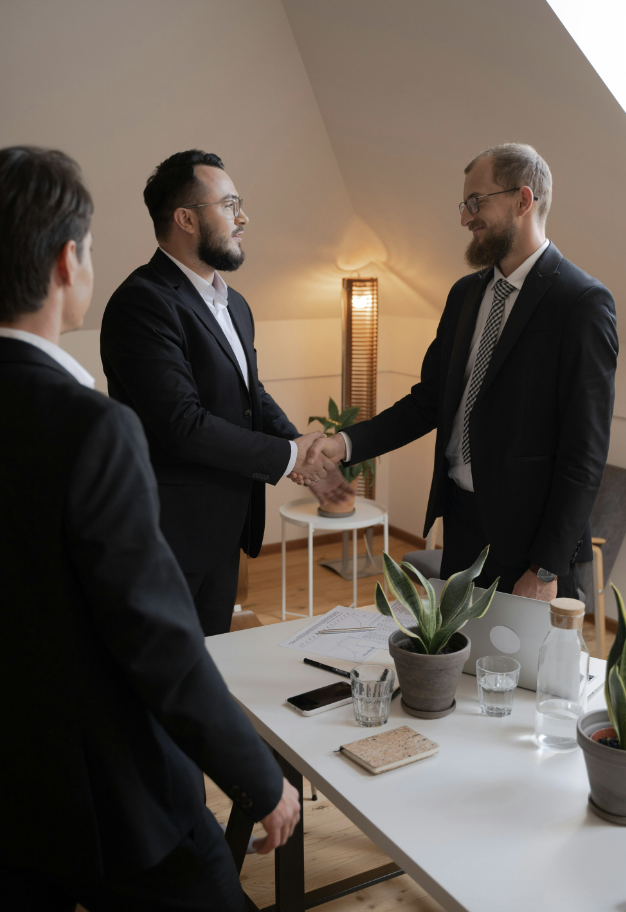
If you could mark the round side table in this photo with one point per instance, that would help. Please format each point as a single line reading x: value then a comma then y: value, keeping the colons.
x: 304, y: 513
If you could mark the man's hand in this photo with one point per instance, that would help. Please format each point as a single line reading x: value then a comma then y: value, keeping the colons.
x: 333, y: 489
x: 529, y: 586
x: 280, y: 824
x: 329, y: 449
x: 310, y: 470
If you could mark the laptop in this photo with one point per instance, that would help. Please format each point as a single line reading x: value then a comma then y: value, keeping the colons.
x: 515, y: 627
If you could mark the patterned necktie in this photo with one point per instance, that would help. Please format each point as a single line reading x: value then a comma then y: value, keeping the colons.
x: 502, y: 289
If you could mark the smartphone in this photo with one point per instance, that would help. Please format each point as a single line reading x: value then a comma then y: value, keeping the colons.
x: 322, y: 699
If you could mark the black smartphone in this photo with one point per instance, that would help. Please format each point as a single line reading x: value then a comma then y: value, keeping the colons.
x: 322, y: 699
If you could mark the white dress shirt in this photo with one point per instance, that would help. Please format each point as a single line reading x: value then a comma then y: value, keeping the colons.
x: 215, y: 296
x: 459, y: 471
x: 70, y: 364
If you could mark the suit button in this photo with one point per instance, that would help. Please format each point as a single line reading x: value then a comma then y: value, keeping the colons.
x: 247, y: 413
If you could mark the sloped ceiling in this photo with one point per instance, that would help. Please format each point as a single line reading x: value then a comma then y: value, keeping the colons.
x: 411, y: 90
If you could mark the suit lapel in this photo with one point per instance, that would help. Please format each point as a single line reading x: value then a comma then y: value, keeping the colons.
x: 244, y: 329
x: 461, y: 346
x: 192, y: 299
x: 536, y: 284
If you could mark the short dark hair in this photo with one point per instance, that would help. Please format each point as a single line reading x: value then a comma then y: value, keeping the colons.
x: 174, y: 183
x: 43, y: 205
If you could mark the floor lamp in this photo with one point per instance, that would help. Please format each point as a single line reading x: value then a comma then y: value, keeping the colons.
x: 359, y: 307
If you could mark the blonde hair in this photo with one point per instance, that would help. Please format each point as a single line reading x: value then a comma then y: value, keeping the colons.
x: 519, y: 165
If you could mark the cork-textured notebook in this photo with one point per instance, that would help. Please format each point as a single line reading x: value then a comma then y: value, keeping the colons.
x: 387, y: 751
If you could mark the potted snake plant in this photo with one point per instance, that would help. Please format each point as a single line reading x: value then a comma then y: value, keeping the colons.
x: 430, y: 655
x: 602, y: 733
x: 332, y: 424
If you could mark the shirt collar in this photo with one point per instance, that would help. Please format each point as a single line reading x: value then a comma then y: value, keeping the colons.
x: 518, y: 275
x: 216, y: 293
x: 62, y: 357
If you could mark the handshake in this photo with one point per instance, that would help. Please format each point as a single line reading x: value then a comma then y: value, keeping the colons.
x: 316, y: 466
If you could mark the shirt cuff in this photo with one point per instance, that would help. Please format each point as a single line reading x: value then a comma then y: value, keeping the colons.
x: 292, y: 458
x: 348, y: 446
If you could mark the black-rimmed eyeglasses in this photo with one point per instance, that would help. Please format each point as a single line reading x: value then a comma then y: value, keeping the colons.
x: 472, y: 203
x: 233, y: 202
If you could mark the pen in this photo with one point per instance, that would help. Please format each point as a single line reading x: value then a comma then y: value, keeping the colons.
x: 337, y: 671
x: 345, y: 629
x: 395, y: 693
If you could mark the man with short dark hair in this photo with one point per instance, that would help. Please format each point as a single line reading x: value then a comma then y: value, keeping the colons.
x: 519, y: 384
x: 178, y: 347
x: 109, y: 699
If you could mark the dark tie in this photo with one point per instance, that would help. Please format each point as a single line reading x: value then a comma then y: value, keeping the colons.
x: 502, y: 289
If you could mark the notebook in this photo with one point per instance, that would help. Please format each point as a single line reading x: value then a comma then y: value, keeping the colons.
x: 387, y: 751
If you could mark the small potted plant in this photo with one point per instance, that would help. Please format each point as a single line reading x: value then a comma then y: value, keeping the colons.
x: 602, y: 733
x: 430, y: 656
x: 332, y: 425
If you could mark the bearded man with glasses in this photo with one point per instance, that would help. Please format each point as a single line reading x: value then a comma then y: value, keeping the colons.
x: 177, y: 346
x: 519, y: 384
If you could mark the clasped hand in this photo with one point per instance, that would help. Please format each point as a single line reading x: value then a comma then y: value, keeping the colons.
x: 316, y: 465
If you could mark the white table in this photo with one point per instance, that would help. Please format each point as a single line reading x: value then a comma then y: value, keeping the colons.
x: 492, y: 823
x: 303, y: 512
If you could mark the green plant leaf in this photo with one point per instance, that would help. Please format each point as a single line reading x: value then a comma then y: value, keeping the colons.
x: 333, y: 411
x: 385, y: 608
x: 350, y: 472
x: 328, y: 425
x: 347, y: 417
x: 454, y: 594
x: 405, y: 592
x: 617, y: 689
x: 475, y: 610
x: 616, y: 652
x: 430, y: 617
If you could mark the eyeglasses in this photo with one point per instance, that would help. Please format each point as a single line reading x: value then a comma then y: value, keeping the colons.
x: 234, y: 202
x: 472, y: 203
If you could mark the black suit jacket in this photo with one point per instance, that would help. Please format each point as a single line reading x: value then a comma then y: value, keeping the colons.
x: 539, y: 429
x: 165, y: 355
x: 109, y: 699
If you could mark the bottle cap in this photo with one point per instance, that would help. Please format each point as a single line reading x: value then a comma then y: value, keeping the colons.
x: 567, y: 613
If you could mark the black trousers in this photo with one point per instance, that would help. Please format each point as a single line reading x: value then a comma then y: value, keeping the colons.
x: 464, y: 539
x: 198, y: 876
x: 214, y: 592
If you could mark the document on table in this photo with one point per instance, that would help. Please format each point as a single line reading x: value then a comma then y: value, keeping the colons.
x: 352, y: 646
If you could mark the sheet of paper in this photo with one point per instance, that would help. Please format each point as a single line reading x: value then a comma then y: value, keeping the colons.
x: 351, y: 646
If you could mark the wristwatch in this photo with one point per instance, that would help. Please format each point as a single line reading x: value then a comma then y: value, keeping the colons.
x: 544, y: 576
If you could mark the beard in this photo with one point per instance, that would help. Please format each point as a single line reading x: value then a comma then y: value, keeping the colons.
x: 213, y: 250
x: 493, y: 247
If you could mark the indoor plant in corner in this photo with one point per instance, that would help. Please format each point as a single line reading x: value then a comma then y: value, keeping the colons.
x: 602, y: 733
x: 332, y: 425
x: 430, y: 656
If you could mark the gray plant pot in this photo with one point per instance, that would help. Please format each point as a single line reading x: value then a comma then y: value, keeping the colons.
x: 429, y: 682
x: 606, y: 768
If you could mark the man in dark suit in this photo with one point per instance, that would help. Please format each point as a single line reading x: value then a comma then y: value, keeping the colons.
x: 519, y: 384
x: 178, y: 347
x: 111, y: 704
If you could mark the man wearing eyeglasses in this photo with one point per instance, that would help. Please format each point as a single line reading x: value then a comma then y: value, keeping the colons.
x: 519, y: 384
x: 178, y: 347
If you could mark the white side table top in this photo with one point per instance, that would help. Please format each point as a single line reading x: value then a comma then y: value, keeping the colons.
x: 303, y: 512
x: 492, y: 823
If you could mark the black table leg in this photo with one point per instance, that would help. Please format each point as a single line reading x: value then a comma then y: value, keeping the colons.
x: 289, y: 859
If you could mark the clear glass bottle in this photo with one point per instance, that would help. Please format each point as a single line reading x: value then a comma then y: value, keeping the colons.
x: 562, y: 676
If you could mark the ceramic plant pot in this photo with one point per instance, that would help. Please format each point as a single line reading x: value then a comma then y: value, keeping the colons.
x: 606, y: 768
x: 429, y: 682
x: 340, y: 510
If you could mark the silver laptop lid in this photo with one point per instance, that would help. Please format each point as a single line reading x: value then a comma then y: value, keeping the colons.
x: 516, y: 627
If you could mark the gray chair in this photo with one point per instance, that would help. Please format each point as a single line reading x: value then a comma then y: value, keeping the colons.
x: 428, y: 561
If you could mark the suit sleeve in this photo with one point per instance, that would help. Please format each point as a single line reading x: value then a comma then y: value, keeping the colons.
x: 142, y: 610
x: 588, y: 358
x: 142, y: 342
x: 411, y: 417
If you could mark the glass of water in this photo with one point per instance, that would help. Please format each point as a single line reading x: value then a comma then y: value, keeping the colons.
x: 497, y: 678
x: 372, y: 689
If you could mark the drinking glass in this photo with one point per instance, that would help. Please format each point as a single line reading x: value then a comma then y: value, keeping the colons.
x: 497, y: 678
x: 372, y: 689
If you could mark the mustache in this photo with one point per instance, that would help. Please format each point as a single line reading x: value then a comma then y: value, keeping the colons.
x: 475, y: 223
